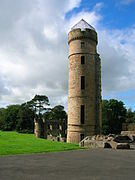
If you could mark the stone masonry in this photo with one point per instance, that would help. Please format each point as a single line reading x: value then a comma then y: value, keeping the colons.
x: 55, y: 129
x: 84, y: 86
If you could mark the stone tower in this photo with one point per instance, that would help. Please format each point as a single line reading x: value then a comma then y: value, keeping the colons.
x: 84, y: 86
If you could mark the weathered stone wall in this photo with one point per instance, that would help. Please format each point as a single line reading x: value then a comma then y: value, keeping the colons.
x: 55, y: 129
x: 90, y: 97
x: 39, y: 128
x: 128, y: 126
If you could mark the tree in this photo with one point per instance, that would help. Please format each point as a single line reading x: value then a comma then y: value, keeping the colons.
x: 38, y: 104
x: 2, y: 117
x: 56, y: 113
x: 105, y: 121
x: 21, y: 117
x: 113, y: 115
x: 129, y: 116
x: 25, y: 120
x: 134, y: 117
x: 10, y: 117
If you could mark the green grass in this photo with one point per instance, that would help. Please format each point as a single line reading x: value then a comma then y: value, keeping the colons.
x: 16, y: 143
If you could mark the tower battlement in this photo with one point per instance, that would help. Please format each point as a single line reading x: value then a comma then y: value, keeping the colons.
x: 82, y: 34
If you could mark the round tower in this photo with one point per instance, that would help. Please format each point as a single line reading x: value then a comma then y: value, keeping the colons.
x: 84, y: 86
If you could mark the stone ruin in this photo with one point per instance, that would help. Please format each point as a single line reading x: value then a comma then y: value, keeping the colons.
x: 54, y: 130
x: 124, y: 141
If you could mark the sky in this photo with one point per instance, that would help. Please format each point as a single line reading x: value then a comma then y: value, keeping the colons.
x: 34, y: 48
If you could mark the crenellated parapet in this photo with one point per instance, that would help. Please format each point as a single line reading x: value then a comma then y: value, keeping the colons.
x: 88, y: 34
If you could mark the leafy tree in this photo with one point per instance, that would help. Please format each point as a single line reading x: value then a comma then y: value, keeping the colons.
x: 105, y: 121
x: 21, y: 117
x: 2, y: 117
x: 38, y: 104
x: 10, y: 117
x: 56, y: 112
x: 129, y: 116
x: 113, y: 115
x: 134, y: 117
x: 25, y: 120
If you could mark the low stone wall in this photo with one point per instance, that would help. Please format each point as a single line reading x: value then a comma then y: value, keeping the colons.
x: 131, y: 134
x: 110, y: 141
x: 92, y: 144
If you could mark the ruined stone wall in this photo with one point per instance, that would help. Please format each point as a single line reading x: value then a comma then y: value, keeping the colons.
x: 39, y: 128
x: 128, y: 127
x: 90, y: 97
x: 55, y: 129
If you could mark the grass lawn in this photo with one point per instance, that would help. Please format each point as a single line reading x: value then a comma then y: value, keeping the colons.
x: 16, y: 143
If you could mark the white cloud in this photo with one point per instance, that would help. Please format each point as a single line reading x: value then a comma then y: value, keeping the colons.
x: 72, y: 4
x: 91, y: 17
x: 126, y: 2
x: 50, y: 33
x: 98, y: 6
x: 116, y: 49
